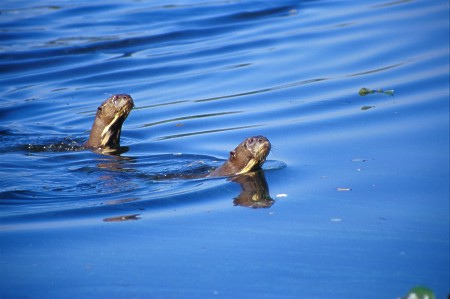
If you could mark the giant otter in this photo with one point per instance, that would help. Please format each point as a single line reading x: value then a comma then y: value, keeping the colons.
x: 108, y: 122
x: 105, y: 134
x: 248, y: 156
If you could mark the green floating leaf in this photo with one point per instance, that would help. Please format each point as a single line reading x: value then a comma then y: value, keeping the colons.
x: 365, y: 91
x: 420, y: 292
x: 389, y: 92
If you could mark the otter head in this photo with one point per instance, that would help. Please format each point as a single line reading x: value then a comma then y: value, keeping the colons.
x: 250, y: 154
x: 108, y: 121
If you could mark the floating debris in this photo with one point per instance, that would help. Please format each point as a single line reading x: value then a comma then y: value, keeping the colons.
x: 360, y: 160
x: 281, y: 195
x: 365, y: 91
x: 336, y: 219
x: 367, y: 107
x: 122, y: 218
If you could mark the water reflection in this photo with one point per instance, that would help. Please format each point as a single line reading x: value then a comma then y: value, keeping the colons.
x: 254, y: 190
x: 112, y: 151
x: 254, y: 187
x: 122, y: 218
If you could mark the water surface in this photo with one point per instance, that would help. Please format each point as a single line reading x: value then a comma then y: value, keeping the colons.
x: 359, y: 183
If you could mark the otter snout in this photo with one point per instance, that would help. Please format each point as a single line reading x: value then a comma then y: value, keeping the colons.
x: 122, y: 100
x: 259, y: 143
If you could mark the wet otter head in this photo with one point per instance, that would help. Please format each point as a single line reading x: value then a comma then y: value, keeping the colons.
x: 251, y: 153
x: 248, y: 156
x: 108, y: 121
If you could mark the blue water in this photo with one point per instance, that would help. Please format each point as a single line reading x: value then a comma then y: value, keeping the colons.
x: 360, y: 184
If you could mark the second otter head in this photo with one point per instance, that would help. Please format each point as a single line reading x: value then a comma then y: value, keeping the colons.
x: 248, y: 156
x: 251, y: 153
x: 108, y: 121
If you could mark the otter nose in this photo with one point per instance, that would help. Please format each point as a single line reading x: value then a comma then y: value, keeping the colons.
x: 121, y: 100
x: 259, y: 139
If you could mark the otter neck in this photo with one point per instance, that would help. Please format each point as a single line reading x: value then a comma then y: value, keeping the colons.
x: 105, y: 134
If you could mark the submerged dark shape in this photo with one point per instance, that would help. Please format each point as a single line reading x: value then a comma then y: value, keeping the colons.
x: 107, y: 126
x: 248, y: 156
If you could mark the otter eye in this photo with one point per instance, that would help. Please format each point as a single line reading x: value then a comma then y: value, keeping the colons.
x: 260, y: 140
x: 100, y: 108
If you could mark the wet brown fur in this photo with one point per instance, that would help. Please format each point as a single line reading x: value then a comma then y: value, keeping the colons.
x: 107, y: 126
x: 248, y: 156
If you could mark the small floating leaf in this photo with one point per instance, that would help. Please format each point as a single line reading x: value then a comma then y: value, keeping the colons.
x: 367, y: 107
x: 365, y: 91
x: 389, y: 92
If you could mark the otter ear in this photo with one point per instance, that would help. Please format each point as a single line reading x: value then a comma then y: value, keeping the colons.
x: 232, y: 154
